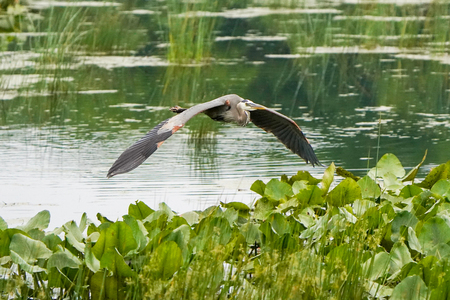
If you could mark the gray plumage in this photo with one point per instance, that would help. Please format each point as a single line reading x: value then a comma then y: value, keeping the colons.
x: 228, y: 108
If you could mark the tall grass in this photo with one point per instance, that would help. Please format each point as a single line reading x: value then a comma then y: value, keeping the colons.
x: 190, y: 34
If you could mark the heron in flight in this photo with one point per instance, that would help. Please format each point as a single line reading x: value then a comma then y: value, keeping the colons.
x: 228, y: 108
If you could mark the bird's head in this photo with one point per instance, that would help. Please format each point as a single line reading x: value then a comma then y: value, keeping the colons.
x: 249, y: 105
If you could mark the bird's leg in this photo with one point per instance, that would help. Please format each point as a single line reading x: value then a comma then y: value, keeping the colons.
x: 177, y: 109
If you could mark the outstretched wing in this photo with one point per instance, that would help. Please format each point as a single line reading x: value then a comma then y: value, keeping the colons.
x: 286, y: 130
x: 137, y: 153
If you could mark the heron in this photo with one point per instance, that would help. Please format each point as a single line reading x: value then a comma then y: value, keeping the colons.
x: 229, y: 109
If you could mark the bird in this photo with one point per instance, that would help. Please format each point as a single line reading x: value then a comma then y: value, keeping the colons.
x: 230, y: 109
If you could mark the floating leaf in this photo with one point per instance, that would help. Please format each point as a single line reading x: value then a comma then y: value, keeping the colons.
x: 413, y: 173
x: 258, y: 187
x: 369, y: 188
x: 345, y: 192
x: 327, y: 179
x: 277, y: 190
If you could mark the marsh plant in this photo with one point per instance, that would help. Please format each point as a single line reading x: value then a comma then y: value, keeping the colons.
x: 190, y: 30
x: 383, y: 235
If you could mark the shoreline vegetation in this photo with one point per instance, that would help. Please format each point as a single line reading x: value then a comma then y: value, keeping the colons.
x: 385, y: 235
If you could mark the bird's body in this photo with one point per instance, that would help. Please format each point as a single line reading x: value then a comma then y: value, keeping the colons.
x: 228, y: 108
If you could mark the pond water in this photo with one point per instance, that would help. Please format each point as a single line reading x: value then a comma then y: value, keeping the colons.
x: 356, y: 97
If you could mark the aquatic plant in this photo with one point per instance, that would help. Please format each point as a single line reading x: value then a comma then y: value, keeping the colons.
x: 383, y: 235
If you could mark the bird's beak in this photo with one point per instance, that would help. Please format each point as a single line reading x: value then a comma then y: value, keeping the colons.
x: 249, y: 105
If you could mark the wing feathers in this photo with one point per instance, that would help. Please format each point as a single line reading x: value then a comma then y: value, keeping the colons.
x: 137, y: 153
x: 287, y: 132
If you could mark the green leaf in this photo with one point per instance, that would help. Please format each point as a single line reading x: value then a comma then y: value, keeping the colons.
x: 62, y: 260
x: 400, y: 224
x: 436, y: 174
x: 125, y: 238
x: 410, y: 191
x: 39, y: 221
x: 181, y: 236
x: 114, y: 262
x: 361, y: 206
x: 377, y: 266
x: 388, y: 163
x: 327, y: 178
x: 297, y: 186
x: 369, y: 188
x: 240, y: 207
x: 28, y: 249
x: 191, y: 217
x: 345, y: 192
x: 89, y: 258
x: 304, y: 175
x: 168, y: 259
x: 413, y: 241
x: 140, y: 210
x: 74, y: 235
x: 258, y: 187
x: 391, y: 182
x: 413, y: 173
x: 411, y: 288
x: 277, y: 190
x: 279, y: 224
x: 25, y: 265
x: 263, y: 208
x: 3, y: 224
x: 251, y: 232
x: 400, y: 256
x: 139, y: 232
x: 442, y: 188
x: 312, y: 195
x: 434, y: 231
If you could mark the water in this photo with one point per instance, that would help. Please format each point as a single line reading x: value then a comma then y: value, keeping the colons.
x: 58, y: 142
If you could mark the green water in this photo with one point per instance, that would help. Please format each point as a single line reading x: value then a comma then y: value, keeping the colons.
x: 360, y: 80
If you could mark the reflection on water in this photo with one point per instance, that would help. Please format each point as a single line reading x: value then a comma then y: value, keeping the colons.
x: 354, y: 102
